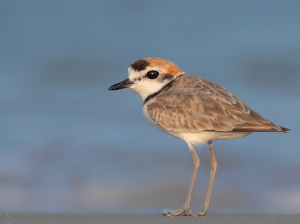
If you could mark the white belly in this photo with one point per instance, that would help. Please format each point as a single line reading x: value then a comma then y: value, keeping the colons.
x: 205, y: 136
x: 199, y: 137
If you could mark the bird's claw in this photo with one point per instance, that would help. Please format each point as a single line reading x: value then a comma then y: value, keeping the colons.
x: 203, y: 213
x: 182, y: 212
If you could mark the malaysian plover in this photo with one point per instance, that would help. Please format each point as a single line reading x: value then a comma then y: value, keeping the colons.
x: 193, y: 109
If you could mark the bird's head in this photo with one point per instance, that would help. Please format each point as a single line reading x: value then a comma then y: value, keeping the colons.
x: 149, y: 75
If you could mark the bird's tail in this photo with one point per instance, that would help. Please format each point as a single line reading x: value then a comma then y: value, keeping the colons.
x: 285, y: 130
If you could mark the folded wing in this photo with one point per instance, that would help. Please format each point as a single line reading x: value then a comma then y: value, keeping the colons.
x: 193, y: 104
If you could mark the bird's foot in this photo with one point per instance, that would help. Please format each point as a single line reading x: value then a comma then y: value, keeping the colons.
x: 203, y: 213
x: 182, y: 212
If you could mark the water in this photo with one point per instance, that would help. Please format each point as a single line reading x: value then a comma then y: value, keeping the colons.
x: 69, y: 145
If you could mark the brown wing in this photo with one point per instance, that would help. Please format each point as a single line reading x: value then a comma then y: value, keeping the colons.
x: 193, y: 104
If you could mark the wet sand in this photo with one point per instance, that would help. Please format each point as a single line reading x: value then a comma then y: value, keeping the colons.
x: 31, y: 218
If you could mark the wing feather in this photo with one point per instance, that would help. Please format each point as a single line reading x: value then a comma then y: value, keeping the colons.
x: 193, y: 104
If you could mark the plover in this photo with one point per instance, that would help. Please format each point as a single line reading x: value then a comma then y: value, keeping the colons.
x: 193, y: 109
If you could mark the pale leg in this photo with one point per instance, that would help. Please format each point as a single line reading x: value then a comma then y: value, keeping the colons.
x: 186, y: 208
x: 213, y: 167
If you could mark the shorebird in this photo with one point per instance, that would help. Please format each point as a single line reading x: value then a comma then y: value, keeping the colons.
x: 193, y: 109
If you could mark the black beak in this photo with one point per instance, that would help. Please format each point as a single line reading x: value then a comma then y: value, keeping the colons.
x: 121, y: 85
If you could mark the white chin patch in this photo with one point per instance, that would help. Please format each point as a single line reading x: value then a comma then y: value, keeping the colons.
x: 146, y: 87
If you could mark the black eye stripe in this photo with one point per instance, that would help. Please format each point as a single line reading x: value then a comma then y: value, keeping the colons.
x: 152, y: 74
x: 167, y: 76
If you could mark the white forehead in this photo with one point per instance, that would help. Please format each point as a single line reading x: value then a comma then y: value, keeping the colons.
x: 144, y: 86
x: 132, y: 74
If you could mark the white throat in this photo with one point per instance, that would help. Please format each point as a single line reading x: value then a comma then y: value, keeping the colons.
x: 144, y: 87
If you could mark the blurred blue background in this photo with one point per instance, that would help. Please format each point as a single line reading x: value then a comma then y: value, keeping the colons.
x: 69, y: 145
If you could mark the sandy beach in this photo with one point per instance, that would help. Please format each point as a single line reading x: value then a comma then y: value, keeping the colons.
x: 30, y: 218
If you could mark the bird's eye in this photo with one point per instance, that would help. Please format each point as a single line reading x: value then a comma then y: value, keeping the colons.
x: 152, y: 74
